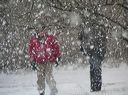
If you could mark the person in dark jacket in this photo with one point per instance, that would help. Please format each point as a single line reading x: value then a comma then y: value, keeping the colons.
x: 93, y: 44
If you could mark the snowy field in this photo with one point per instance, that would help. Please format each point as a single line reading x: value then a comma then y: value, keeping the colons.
x: 69, y: 82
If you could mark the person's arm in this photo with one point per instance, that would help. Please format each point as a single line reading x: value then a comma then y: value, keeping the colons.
x: 125, y: 36
x: 31, y: 55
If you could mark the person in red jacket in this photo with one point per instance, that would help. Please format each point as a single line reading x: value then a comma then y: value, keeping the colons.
x: 44, y: 50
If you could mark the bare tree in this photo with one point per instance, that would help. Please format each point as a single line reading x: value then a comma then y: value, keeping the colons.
x: 18, y: 18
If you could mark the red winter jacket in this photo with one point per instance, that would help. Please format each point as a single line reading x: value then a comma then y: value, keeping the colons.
x: 47, y: 51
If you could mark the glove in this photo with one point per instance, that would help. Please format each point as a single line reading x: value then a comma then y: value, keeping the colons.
x: 34, y: 67
x: 57, y: 61
x: 81, y: 48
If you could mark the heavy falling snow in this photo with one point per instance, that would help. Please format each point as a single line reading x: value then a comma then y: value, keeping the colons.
x: 67, y: 20
x: 69, y: 82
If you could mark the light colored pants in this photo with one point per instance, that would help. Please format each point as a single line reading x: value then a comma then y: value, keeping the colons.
x: 44, y: 73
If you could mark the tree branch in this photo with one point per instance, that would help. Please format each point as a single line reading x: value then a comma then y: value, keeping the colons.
x: 123, y: 6
x: 92, y: 12
x: 108, y: 18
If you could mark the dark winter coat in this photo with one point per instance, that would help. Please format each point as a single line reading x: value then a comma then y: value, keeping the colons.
x: 94, y: 41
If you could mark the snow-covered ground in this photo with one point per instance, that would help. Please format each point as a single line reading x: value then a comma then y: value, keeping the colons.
x: 69, y: 82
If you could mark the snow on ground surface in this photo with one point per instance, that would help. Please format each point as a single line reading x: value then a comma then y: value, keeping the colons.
x: 69, y: 82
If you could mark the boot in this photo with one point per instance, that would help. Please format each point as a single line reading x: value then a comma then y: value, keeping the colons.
x: 41, y: 93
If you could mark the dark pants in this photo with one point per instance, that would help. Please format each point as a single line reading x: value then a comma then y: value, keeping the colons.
x: 95, y: 73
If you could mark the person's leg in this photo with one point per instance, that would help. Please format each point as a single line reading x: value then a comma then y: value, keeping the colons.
x: 50, y: 79
x: 41, y: 78
x: 95, y: 74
